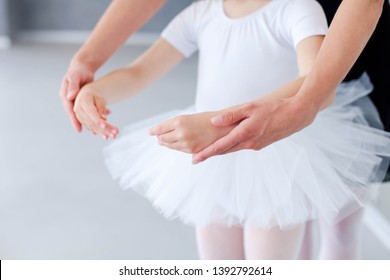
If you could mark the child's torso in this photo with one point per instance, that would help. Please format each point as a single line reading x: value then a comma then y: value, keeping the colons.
x: 243, y: 58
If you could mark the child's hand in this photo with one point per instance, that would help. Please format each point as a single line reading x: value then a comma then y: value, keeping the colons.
x: 189, y: 133
x: 90, y: 109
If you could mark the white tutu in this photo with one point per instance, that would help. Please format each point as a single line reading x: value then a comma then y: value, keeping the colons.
x: 326, y: 170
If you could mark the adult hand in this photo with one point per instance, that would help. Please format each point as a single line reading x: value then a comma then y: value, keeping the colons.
x: 91, y: 111
x: 77, y: 76
x: 258, y: 124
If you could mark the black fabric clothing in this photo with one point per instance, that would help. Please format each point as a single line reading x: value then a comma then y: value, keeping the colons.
x: 375, y: 59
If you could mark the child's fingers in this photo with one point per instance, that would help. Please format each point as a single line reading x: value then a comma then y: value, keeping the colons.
x: 87, y: 113
x: 99, y: 125
x: 109, y: 129
x: 101, y: 108
x: 169, y: 137
x: 92, y: 117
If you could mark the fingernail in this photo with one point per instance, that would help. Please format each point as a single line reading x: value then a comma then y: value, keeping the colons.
x: 196, y: 160
x: 103, y: 126
x: 70, y: 94
x: 216, y: 120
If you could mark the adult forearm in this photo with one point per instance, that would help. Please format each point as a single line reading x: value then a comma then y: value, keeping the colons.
x: 121, y: 19
x: 292, y: 88
x: 348, y: 34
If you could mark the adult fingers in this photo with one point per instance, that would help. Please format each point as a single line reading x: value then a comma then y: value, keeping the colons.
x: 178, y: 146
x: 64, y: 89
x: 74, y: 84
x: 68, y: 105
x: 229, y: 118
x: 245, y: 145
x: 220, y: 146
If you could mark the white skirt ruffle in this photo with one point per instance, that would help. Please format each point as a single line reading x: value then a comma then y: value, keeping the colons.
x: 326, y: 170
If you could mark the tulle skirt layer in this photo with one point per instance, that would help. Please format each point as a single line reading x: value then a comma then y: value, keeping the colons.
x: 326, y: 170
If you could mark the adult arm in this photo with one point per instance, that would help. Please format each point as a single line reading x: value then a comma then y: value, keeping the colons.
x: 262, y: 122
x: 121, y: 19
x: 192, y: 133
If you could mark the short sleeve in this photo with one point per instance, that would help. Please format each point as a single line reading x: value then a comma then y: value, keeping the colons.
x: 180, y: 32
x: 304, y: 18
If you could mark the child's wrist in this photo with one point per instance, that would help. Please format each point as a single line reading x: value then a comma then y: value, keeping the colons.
x: 89, y: 89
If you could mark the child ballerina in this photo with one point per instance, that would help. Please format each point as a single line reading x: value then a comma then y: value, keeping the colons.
x: 246, y: 49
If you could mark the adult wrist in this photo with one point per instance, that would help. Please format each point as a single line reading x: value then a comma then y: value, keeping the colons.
x: 305, y: 106
x: 85, y: 60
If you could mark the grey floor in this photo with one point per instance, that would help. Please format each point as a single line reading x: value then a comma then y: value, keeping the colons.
x: 57, y: 200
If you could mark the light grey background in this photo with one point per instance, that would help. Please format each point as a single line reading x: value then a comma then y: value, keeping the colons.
x: 57, y: 199
x: 33, y: 15
x: 4, y: 19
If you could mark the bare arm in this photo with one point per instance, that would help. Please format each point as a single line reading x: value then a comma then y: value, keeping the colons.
x: 90, y: 105
x: 192, y: 133
x: 349, y: 32
x: 307, y: 52
x: 121, y: 19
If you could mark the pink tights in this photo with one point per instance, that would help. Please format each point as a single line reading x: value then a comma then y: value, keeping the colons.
x: 337, y: 242
x: 238, y: 243
x: 340, y: 241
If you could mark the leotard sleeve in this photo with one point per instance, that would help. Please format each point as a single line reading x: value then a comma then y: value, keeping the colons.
x: 302, y: 19
x: 180, y: 32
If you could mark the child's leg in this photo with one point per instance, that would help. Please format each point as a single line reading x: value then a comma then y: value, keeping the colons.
x: 274, y: 243
x: 306, y: 252
x: 342, y: 240
x: 217, y: 242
